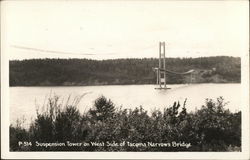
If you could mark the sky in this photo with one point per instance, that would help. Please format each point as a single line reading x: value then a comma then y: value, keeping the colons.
x: 123, y: 29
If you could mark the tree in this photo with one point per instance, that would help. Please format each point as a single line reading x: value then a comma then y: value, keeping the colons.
x: 103, y: 109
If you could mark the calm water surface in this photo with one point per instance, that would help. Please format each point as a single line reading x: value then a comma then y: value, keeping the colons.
x: 25, y: 100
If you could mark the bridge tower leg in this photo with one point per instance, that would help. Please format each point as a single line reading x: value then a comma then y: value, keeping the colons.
x: 161, y: 75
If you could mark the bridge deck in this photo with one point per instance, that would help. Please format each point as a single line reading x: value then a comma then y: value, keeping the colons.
x: 172, y: 72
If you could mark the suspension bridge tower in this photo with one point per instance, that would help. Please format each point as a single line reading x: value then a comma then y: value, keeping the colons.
x: 161, y: 71
x: 161, y: 74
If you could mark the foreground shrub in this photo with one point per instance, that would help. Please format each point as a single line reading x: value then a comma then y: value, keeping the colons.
x: 103, y: 109
x: 217, y: 128
x: 17, y: 134
x: 211, y: 128
x: 58, y: 123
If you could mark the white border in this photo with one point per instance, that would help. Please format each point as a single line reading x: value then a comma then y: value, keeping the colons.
x: 115, y: 155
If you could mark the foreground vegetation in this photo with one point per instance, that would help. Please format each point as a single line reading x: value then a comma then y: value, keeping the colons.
x: 211, y: 128
x: 72, y: 72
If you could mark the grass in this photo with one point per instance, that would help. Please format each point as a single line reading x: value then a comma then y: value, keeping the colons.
x: 211, y: 128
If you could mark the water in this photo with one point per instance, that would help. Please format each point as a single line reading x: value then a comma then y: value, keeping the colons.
x: 25, y: 100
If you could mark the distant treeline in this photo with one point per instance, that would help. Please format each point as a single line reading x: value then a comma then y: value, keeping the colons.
x: 47, y: 72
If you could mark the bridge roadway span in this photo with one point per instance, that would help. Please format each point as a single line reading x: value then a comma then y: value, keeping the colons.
x: 172, y: 72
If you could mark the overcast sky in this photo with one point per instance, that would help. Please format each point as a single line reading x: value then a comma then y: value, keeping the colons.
x: 123, y: 29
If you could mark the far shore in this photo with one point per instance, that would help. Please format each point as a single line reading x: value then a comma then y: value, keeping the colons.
x: 121, y: 84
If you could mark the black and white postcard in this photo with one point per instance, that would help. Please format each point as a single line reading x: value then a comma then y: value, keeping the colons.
x: 162, y: 79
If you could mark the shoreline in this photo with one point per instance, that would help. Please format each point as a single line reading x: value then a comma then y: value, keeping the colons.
x: 124, y: 84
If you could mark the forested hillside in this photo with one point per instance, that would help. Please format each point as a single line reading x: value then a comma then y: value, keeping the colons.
x: 47, y: 72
